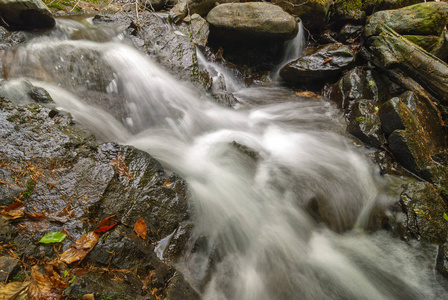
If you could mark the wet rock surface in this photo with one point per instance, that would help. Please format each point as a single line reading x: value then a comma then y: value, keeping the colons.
x: 321, y: 63
x: 27, y: 14
x: 68, y: 182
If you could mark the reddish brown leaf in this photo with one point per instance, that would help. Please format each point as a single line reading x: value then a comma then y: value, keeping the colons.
x: 141, y: 228
x: 121, y: 168
x: 13, y: 211
x: 81, y: 248
x: 327, y: 60
x: 106, y: 228
x: 88, y: 297
x: 106, y: 221
x: 167, y: 183
x: 46, y: 283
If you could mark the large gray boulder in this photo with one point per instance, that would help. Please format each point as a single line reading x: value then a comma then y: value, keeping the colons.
x: 28, y: 14
x: 251, y: 21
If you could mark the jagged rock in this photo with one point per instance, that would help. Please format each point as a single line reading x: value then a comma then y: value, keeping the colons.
x: 357, y: 11
x: 251, y: 21
x: 321, y: 63
x: 198, y: 28
x: 313, y: 13
x: 358, y: 83
x: 28, y: 14
x: 429, y: 18
x: 349, y: 32
x: 8, y: 267
x: 191, y: 7
x: 415, y: 131
x: 364, y: 123
x: 68, y: 183
x: 423, y: 208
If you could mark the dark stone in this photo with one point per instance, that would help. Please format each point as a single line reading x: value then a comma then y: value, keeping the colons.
x: 27, y: 14
x: 7, y: 231
x: 390, y: 115
x: 357, y: 84
x: 321, y: 63
x: 9, y: 267
x: 442, y: 260
x: 365, y: 124
x: 424, y: 208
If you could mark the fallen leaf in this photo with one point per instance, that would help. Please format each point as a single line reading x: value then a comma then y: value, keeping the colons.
x: 13, y: 211
x: 88, y: 297
x: 46, y: 283
x: 141, y: 228
x: 167, y: 183
x: 106, y: 221
x: 82, y: 247
x: 52, y: 237
x: 327, y: 60
x: 106, y: 228
x: 307, y: 94
x: 14, y: 290
x: 121, y: 168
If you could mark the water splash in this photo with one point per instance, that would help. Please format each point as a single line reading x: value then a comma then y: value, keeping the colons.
x: 256, y: 176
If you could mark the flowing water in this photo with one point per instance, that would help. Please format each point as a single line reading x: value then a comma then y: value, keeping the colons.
x: 256, y: 175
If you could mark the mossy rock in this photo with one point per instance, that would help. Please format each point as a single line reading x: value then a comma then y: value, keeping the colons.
x: 428, y: 18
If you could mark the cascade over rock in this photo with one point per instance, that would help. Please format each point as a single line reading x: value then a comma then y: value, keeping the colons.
x: 251, y: 21
x: 28, y: 14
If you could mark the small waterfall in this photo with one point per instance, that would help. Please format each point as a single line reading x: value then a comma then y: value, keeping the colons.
x: 255, y: 175
x: 292, y: 50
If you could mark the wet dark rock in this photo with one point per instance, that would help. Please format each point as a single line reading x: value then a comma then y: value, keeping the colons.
x: 313, y: 13
x: 348, y: 11
x: 357, y: 84
x: 442, y: 260
x: 9, y: 267
x: 349, y: 33
x: 248, y: 22
x: 424, y: 208
x: 429, y: 18
x: 184, y: 8
x: 22, y: 91
x: 321, y: 63
x: 364, y: 123
x: 107, y: 285
x: 198, y: 28
x: 27, y: 14
x: 415, y: 131
x: 70, y: 183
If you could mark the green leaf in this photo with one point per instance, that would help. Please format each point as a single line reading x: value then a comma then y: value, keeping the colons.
x: 65, y: 273
x: 445, y: 216
x: 52, y: 237
x: 71, y: 280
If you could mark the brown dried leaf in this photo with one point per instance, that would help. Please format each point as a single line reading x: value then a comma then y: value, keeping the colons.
x: 81, y: 248
x: 327, y: 60
x: 88, y: 297
x: 168, y: 183
x: 13, y: 211
x: 140, y: 228
x: 307, y: 94
x: 106, y: 221
x: 121, y: 168
x: 46, y: 283
x: 14, y: 290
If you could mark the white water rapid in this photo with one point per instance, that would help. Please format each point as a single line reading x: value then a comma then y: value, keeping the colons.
x: 256, y: 176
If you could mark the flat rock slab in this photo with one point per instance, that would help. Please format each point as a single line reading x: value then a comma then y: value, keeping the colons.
x: 251, y: 21
x: 27, y: 14
x: 319, y: 63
